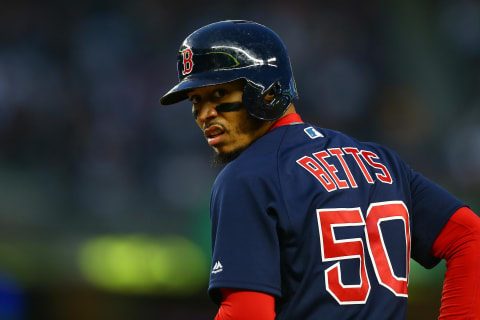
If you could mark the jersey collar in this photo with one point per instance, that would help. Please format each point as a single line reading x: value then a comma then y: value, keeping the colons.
x: 291, y: 118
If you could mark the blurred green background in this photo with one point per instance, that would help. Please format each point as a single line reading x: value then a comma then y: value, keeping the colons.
x: 104, y: 194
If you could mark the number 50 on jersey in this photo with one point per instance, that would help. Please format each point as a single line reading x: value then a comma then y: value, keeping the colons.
x: 340, y: 249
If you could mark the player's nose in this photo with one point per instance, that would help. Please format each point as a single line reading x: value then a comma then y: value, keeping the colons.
x: 207, y: 111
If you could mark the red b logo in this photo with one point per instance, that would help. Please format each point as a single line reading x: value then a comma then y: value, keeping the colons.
x: 187, y: 55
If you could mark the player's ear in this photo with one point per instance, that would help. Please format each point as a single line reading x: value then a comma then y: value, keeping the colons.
x: 269, y: 96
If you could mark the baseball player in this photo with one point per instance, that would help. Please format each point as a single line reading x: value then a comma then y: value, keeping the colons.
x: 307, y: 222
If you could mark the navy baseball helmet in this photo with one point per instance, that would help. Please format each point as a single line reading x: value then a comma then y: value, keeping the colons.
x: 230, y: 50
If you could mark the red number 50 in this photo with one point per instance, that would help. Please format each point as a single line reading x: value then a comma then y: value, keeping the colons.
x: 336, y: 250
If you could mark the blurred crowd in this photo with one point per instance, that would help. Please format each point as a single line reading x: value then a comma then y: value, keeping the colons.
x: 86, y: 149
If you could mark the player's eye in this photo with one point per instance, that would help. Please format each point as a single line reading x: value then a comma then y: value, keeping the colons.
x: 195, y: 99
x: 219, y: 93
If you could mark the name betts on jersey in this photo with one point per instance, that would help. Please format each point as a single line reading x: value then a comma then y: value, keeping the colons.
x: 326, y: 172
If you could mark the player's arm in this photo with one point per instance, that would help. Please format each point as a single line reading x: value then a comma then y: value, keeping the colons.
x: 459, y: 245
x: 240, y: 304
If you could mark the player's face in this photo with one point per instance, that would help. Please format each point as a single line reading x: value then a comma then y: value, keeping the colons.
x: 227, y: 126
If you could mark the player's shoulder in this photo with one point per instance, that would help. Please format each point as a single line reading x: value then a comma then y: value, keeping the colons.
x: 343, y: 139
x: 320, y: 135
x: 339, y: 140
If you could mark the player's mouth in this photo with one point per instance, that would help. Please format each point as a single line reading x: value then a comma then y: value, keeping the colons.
x: 214, y: 134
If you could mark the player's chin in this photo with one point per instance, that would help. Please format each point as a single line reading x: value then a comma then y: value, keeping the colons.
x: 221, y: 158
x: 223, y: 148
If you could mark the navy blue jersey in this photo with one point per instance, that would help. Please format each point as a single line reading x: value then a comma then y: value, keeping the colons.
x: 325, y: 223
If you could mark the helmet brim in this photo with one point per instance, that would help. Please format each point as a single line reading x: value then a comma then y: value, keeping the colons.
x: 179, y: 92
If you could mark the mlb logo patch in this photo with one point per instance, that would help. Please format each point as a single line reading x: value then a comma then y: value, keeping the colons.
x: 313, y: 133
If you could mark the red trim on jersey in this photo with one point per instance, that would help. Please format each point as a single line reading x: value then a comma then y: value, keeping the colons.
x: 252, y: 305
x: 286, y: 120
x: 459, y: 245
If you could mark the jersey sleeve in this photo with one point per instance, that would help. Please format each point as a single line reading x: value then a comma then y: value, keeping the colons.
x: 245, y: 245
x: 432, y: 206
x: 459, y: 245
x: 251, y: 305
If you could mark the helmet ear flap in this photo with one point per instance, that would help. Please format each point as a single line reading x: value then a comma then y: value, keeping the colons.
x: 254, y: 101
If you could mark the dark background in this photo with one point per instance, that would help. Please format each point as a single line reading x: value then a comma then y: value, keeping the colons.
x: 104, y: 194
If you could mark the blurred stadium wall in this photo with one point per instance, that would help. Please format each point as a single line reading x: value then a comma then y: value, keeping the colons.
x: 104, y: 194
